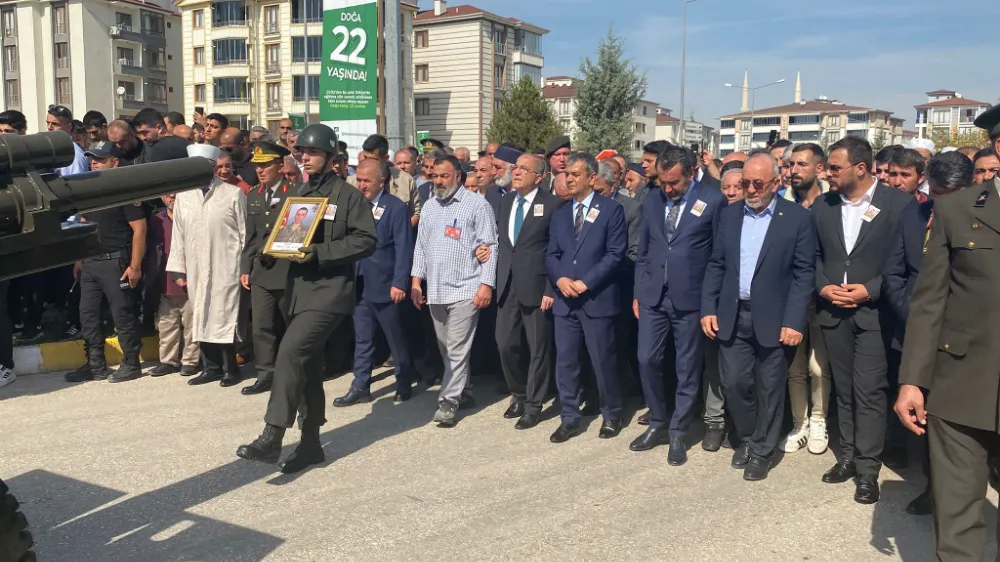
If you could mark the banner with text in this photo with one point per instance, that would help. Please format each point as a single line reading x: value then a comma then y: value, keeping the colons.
x: 348, y: 85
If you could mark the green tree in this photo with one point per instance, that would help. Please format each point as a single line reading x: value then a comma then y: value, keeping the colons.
x: 606, y: 97
x: 949, y: 136
x: 524, y: 119
x: 880, y: 141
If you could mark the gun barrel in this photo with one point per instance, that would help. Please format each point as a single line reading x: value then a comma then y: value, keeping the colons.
x: 42, y: 151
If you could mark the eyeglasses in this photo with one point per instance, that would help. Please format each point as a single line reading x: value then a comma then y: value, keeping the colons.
x: 835, y: 169
x: 757, y: 184
x: 993, y: 171
x: 61, y: 112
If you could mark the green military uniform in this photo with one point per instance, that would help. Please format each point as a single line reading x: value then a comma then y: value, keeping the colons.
x: 268, y: 276
x: 952, y: 351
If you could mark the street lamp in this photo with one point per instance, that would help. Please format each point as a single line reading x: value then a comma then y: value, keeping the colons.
x: 753, y: 91
x: 684, y: 41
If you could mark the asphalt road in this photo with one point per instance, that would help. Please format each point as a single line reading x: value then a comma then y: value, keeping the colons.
x: 146, y: 471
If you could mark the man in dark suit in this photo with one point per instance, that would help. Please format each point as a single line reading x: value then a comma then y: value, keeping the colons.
x: 947, y: 172
x: 587, y: 241
x: 381, y: 287
x: 951, y: 352
x: 854, y: 226
x: 679, y: 224
x: 263, y: 275
x: 650, y: 152
x: 525, y: 293
x: 758, y: 287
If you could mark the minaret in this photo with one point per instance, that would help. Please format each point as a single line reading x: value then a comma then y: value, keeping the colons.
x: 746, y: 93
x: 798, y: 87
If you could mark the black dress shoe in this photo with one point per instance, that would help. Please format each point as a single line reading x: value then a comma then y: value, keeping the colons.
x: 126, y: 372
x: 741, y: 457
x: 610, y: 428
x: 231, y: 379
x: 206, y: 377
x: 527, y: 421
x: 565, y: 432
x: 258, y: 387
x: 841, y: 472
x: 756, y: 469
x: 163, y: 369
x: 515, y: 410
x: 867, y: 491
x: 920, y: 505
x: 189, y: 370
x: 403, y: 395
x: 677, y: 455
x: 714, y: 434
x: 353, y: 396
x: 650, y: 438
x: 590, y: 408
x: 643, y: 419
x: 306, y: 454
x: 266, y: 448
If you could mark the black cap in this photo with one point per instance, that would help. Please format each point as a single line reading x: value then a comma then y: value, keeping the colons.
x: 990, y: 121
x: 104, y: 149
x: 637, y: 168
x: 508, y: 154
x: 562, y: 141
x: 267, y: 151
x: 431, y: 144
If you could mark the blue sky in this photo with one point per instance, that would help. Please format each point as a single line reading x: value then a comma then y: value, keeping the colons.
x: 873, y: 53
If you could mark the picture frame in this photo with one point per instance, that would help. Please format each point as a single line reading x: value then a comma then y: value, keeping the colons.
x: 291, y: 232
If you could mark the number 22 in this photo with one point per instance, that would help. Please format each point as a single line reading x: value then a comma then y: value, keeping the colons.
x: 338, y: 52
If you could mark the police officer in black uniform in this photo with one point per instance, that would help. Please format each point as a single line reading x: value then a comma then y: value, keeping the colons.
x: 319, y: 296
x: 114, y: 276
x: 263, y: 275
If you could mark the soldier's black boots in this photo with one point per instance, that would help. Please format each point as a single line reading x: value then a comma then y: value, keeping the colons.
x: 266, y: 448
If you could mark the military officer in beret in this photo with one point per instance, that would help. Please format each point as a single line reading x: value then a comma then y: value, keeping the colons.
x: 261, y: 274
x: 556, y: 154
x: 952, y: 351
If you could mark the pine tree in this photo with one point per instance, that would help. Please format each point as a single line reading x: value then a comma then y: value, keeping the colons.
x: 524, y: 120
x: 606, y: 98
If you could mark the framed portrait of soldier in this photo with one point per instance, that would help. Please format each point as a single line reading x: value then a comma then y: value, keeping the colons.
x: 296, y: 225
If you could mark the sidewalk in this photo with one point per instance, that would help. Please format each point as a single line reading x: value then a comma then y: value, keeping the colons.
x: 68, y: 355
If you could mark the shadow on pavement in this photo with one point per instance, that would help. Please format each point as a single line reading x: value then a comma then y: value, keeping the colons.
x: 35, y: 385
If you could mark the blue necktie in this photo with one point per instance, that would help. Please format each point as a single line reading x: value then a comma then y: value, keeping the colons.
x: 519, y: 218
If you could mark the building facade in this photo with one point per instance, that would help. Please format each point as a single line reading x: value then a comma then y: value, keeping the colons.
x: 465, y: 61
x: 666, y: 125
x: 113, y: 57
x: 947, y: 109
x: 257, y: 62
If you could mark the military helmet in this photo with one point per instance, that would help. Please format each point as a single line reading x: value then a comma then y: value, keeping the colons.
x: 318, y: 136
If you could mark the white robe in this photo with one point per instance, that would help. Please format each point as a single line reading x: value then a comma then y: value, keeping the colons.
x: 208, y: 237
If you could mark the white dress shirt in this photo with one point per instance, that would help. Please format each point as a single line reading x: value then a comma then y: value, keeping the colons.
x: 513, y: 212
x: 852, y: 215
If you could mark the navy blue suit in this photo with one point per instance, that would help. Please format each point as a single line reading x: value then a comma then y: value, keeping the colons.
x: 494, y: 194
x: 903, y: 265
x: 753, y: 363
x: 594, y: 259
x: 388, y: 267
x: 668, y: 280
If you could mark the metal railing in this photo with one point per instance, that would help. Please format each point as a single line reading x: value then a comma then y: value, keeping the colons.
x: 271, y: 27
x: 272, y: 68
x: 235, y: 99
x: 500, y: 48
x: 226, y: 62
x: 274, y: 105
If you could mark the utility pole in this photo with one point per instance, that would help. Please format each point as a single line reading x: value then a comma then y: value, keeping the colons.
x: 393, y: 75
x: 305, y: 48
x: 684, y: 44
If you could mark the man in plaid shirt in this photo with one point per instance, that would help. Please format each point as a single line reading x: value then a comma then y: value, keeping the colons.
x: 454, y: 223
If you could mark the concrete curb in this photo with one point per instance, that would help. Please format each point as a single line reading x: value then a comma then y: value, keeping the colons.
x: 68, y: 355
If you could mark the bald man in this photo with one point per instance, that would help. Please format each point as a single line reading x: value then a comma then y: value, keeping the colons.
x: 235, y: 143
x: 182, y: 131
x: 734, y: 157
x: 462, y: 154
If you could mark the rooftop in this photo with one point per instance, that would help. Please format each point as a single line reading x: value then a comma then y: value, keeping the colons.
x: 663, y: 119
x: 552, y: 92
x: 941, y: 93
x: 811, y: 106
x: 466, y: 11
x: 951, y: 102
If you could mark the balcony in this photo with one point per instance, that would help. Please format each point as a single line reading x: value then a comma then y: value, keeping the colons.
x: 271, y: 28
x: 229, y: 23
x: 153, y: 32
x: 499, y: 48
x: 523, y: 56
x: 127, y: 66
x: 272, y: 68
x: 229, y: 62
x: 274, y: 106
x: 234, y: 99
x: 313, y: 19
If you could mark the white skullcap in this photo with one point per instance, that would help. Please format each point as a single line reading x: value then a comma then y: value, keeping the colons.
x: 206, y: 151
x: 921, y: 143
x: 948, y: 149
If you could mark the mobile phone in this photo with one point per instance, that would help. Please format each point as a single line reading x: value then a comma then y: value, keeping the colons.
x: 199, y: 109
x: 694, y: 148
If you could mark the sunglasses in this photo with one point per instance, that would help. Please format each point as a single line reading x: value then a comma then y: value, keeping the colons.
x: 757, y: 184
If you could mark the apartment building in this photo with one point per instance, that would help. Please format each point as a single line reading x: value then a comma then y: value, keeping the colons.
x: 465, y: 61
x: 257, y: 62
x: 113, y: 57
x: 666, y: 125
x: 947, y: 109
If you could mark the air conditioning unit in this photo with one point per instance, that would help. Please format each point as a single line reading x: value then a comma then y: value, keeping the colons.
x: 125, y: 62
x: 114, y: 31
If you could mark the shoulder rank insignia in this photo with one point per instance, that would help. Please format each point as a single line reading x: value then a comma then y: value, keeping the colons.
x: 981, y: 200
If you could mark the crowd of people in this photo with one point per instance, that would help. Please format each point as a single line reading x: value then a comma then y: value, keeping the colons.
x: 709, y: 287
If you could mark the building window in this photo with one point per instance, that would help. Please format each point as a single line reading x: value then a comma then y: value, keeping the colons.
x: 857, y: 118
x: 156, y: 58
x: 499, y: 76
x: 199, y: 93
x: 272, y: 127
x: 528, y: 42
x: 727, y: 124
x: 199, y: 56
x: 298, y: 87
x: 64, y: 95
x: 856, y: 133
x: 832, y: 137
x: 272, y: 58
x: 126, y: 56
x: 941, y: 116
x: 11, y: 94
x: 422, y: 106
x: 271, y: 19
x: 420, y: 39
x: 198, y: 19
x: 638, y: 145
x: 307, y: 10
x: 727, y: 139
x: 152, y: 24
x: 564, y: 107
x: 9, y: 25
x: 421, y: 73
x: 644, y: 108
x: 532, y: 72
x: 969, y: 115
x: 307, y: 46
x: 273, y: 96
x: 834, y: 121
x: 801, y: 136
x: 761, y: 137
x: 156, y: 91
x: 59, y: 20
x: 229, y: 51
x: 123, y: 21
x: 499, y: 41
x: 229, y: 12
x: 497, y: 104
x: 744, y: 124
x: 564, y: 123
x: 766, y: 121
x: 10, y: 58
x: 640, y: 128
x: 803, y: 120
x: 129, y: 89
x: 62, y: 55
x: 232, y: 90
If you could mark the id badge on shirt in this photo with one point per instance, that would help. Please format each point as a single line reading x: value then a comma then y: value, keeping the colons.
x: 539, y: 210
x: 592, y: 215
x: 698, y: 208
x: 331, y: 212
x: 377, y: 212
x: 453, y: 231
x: 870, y: 213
